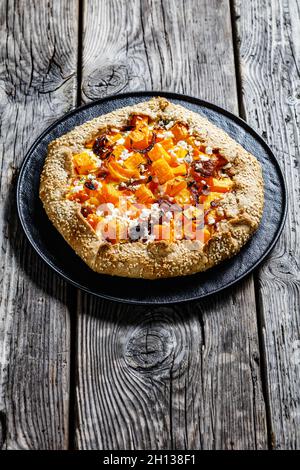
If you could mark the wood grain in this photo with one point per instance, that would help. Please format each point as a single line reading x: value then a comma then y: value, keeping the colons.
x: 173, y: 377
x: 37, y: 85
x: 269, y: 50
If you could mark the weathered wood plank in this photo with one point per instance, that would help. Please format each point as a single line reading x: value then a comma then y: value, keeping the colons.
x: 175, y: 377
x: 37, y: 85
x: 269, y: 54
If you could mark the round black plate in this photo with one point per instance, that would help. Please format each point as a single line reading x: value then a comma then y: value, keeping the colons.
x: 56, y: 252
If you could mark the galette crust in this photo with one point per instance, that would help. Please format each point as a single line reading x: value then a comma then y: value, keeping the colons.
x: 158, y: 259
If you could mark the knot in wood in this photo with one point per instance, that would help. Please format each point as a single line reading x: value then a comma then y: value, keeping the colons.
x: 150, y: 346
x: 107, y: 79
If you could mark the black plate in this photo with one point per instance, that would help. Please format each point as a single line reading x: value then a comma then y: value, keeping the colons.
x: 56, y: 252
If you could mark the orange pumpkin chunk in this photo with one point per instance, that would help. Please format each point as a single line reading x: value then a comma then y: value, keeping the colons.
x: 139, y: 139
x: 134, y: 161
x: 167, y: 143
x: 120, y: 173
x: 206, y: 235
x: 180, y: 131
x: 221, y: 186
x: 84, y: 163
x: 174, y: 187
x: 158, y: 152
x: 162, y: 170
x: 139, y: 121
x: 183, y: 197
x: 179, y: 170
x: 109, y: 194
x: 144, y: 195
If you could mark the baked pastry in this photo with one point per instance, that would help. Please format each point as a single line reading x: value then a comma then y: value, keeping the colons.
x: 152, y: 190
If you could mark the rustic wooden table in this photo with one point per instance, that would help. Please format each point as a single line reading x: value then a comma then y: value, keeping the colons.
x: 79, y: 372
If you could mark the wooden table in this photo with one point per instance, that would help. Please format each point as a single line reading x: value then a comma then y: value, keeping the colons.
x: 79, y: 372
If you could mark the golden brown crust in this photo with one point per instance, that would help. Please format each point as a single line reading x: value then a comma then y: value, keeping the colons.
x: 157, y: 259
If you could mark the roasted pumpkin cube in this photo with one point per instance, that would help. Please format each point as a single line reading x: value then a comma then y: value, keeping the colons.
x: 158, y: 152
x: 221, y: 185
x: 139, y: 121
x: 93, y: 220
x: 175, y: 186
x: 180, y: 131
x: 113, y: 195
x: 119, y: 173
x: 179, y: 170
x: 109, y: 194
x: 183, y: 197
x: 144, y: 195
x: 134, y: 161
x: 162, y: 170
x: 84, y: 163
x: 118, y: 150
x: 139, y: 139
x: 167, y: 143
x: 181, y: 152
x: 115, y: 137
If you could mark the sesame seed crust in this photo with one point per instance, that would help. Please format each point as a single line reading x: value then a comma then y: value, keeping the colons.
x: 158, y: 259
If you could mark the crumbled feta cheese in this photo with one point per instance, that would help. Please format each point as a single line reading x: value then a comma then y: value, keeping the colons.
x: 91, y: 177
x: 168, y: 134
x: 182, y: 144
x: 188, y: 158
x: 150, y: 238
x: 203, y: 158
x: 197, y: 143
x: 169, y: 125
x: 89, y: 152
x: 171, y: 152
x: 155, y: 206
x: 208, y: 150
x: 125, y: 154
x: 120, y: 141
x: 145, y: 213
x: 77, y: 188
x: 211, y: 220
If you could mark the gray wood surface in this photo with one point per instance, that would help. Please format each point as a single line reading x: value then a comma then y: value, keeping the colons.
x: 187, y: 376
x: 79, y: 372
x: 37, y: 85
x: 269, y: 51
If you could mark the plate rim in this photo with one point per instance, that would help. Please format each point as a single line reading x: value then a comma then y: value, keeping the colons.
x: 170, y: 95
